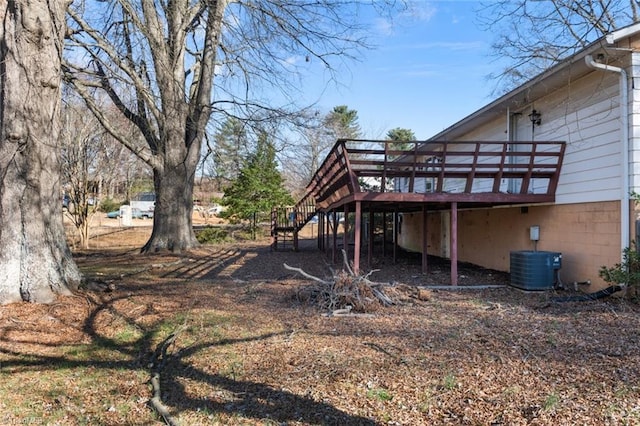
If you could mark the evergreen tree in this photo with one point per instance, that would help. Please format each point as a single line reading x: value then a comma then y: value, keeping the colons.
x: 259, y: 186
x: 230, y: 151
x: 342, y: 123
x: 400, y: 136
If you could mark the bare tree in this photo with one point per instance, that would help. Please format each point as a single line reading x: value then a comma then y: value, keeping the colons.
x: 93, y: 164
x: 121, y: 173
x: 155, y: 62
x: 317, y: 135
x: 35, y: 261
x: 80, y: 140
x: 302, y: 159
x: 534, y: 35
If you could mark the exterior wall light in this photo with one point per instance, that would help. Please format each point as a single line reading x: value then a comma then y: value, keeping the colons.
x: 535, y: 117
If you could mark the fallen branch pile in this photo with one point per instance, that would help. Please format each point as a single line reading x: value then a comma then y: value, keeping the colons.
x: 345, y: 292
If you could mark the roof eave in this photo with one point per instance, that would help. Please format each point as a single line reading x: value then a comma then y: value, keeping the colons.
x: 555, y: 77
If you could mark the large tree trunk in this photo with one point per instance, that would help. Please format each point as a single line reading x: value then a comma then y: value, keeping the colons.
x: 173, y: 224
x: 35, y: 261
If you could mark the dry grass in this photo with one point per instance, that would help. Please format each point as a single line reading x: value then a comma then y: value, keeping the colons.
x: 250, y: 351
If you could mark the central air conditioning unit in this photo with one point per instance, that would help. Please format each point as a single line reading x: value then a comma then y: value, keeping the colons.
x: 535, y: 270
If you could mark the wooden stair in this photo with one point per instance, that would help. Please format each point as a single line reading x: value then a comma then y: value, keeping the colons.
x: 286, y: 222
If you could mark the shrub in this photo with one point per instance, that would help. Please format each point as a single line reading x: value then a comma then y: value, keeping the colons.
x: 108, y: 205
x: 627, y: 272
x: 211, y: 235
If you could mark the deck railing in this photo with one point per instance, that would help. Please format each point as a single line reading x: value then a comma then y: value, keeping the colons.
x: 437, y: 167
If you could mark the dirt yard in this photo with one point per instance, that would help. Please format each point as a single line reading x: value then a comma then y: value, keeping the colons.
x: 226, y: 335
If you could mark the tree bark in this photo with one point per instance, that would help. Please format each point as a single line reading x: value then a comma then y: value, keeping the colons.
x: 35, y: 260
x: 172, y: 219
x: 173, y: 183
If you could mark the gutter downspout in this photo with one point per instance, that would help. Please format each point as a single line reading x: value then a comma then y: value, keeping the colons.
x: 624, y: 113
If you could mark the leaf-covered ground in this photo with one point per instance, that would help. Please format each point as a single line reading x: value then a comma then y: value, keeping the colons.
x: 250, y: 349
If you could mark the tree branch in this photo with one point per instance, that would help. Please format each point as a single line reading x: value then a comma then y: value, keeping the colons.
x: 306, y: 275
x: 140, y: 151
x: 157, y: 363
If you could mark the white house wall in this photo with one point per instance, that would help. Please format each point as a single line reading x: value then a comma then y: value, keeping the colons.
x: 586, y: 116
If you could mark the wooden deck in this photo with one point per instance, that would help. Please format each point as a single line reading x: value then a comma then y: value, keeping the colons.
x: 437, y: 172
x: 361, y: 176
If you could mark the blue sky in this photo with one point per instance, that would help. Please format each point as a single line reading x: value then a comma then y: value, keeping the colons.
x: 428, y: 71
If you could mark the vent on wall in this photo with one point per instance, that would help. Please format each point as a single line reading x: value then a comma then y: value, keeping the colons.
x: 535, y: 270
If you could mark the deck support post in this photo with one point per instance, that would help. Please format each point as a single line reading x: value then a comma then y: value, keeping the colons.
x: 384, y: 234
x: 396, y: 224
x: 327, y: 236
x: 357, y: 237
x: 370, y: 236
x: 454, y: 243
x: 274, y: 240
x: 334, y: 248
x: 345, y: 228
x: 320, y: 236
x: 424, y: 239
x: 325, y: 232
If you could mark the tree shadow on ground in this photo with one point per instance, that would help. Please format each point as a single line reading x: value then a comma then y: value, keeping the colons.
x: 242, y: 398
x: 406, y: 268
x: 247, y: 398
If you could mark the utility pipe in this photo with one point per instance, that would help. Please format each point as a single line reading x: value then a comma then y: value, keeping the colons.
x: 624, y: 113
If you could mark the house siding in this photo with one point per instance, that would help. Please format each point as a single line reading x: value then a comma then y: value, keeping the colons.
x: 586, y: 116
